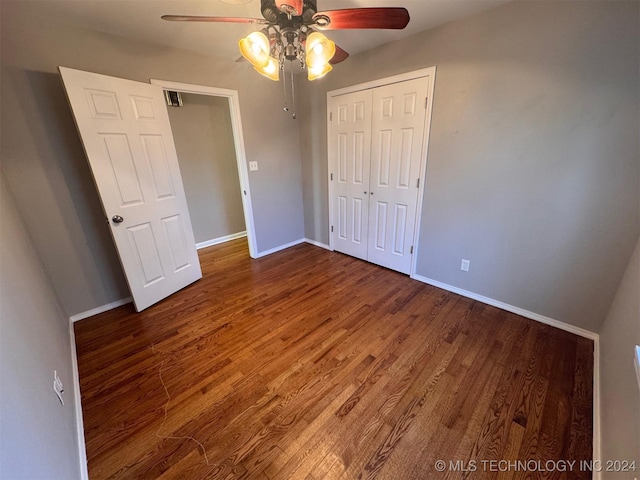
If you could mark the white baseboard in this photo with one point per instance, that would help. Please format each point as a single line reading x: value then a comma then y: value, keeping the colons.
x: 317, y: 244
x: 82, y: 451
x: 597, y: 432
x: 280, y: 248
x: 510, y: 308
x: 104, y: 308
x: 219, y: 240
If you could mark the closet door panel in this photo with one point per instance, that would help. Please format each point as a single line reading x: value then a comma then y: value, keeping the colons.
x: 398, y: 120
x: 350, y: 159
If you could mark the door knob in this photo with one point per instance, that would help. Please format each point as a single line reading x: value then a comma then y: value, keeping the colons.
x: 117, y: 219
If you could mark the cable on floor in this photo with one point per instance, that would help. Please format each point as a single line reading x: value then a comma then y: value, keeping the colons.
x: 166, y: 410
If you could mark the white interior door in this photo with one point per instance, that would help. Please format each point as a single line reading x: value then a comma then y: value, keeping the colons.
x: 398, y: 120
x: 351, y: 145
x: 127, y: 138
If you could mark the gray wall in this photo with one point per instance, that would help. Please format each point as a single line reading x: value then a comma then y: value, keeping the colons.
x: 620, y: 401
x: 45, y: 166
x: 534, y: 170
x: 204, y: 141
x: 38, y: 434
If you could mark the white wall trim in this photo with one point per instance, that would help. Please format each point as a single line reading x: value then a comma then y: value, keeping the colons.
x: 219, y: 240
x: 82, y: 449
x: 431, y: 72
x: 280, y: 248
x: 510, y: 308
x: 597, y: 431
x: 238, y: 137
x: 403, y: 77
x: 329, y: 173
x: 636, y: 362
x: 104, y: 308
x: 317, y: 244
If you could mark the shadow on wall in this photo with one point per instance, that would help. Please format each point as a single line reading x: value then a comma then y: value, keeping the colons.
x: 63, y: 201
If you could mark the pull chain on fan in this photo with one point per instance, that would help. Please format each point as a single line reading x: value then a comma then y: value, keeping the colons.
x: 293, y: 94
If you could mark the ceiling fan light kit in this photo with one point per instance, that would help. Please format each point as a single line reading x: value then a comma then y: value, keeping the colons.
x: 292, y: 30
x: 291, y: 34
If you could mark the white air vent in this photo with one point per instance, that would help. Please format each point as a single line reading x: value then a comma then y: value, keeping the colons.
x: 174, y: 99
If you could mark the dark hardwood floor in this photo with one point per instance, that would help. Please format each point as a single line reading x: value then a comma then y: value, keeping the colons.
x: 309, y: 364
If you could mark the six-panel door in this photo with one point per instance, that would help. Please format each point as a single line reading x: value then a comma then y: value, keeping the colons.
x: 127, y: 138
x: 398, y: 119
x: 351, y: 143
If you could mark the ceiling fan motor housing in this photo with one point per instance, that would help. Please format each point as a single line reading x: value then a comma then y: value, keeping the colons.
x: 290, y: 7
x: 273, y: 10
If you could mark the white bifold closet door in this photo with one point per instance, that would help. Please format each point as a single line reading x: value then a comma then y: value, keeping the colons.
x: 376, y: 151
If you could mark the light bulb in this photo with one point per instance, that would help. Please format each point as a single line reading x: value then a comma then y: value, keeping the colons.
x: 271, y: 67
x: 271, y: 70
x: 313, y: 73
x: 255, y: 48
x: 320, y: 50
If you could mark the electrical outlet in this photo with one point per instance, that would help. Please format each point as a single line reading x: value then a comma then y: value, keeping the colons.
x: 464, y: 265
x: 253, y: 166
x: 57, y: 386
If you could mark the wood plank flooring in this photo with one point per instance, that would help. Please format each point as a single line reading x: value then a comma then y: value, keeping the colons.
x: 309, y: 364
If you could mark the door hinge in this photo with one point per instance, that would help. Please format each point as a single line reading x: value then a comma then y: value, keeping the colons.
x: 411, y: 250
x: 426, y: 102
x: 332, y: 177
x: 331, y: 228
x: 331, y: 116
x: 418, y: 184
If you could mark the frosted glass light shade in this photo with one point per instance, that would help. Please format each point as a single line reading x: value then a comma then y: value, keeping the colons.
x: 255, y: 47
x: 271, y: 70
x: 313, y: 73
x: 320, y: 50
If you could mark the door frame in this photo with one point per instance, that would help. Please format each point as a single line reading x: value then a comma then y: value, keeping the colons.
x: 238, y: 140
x: 429, y: 72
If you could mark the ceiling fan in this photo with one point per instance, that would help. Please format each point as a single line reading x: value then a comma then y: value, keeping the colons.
x: 291, y: 32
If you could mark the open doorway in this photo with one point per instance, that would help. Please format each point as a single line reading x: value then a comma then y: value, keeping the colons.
x: 203, y: 136
x: 207, y: 132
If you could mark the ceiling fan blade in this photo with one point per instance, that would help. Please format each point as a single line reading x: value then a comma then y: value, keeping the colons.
x: 391, y: 18
x: 194, y: 18
x: 340, y: 56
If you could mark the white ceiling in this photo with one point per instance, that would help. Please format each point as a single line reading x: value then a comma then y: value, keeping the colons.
x: 140, y: 19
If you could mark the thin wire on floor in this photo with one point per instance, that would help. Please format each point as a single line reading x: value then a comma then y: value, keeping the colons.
x: 166, y: 410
